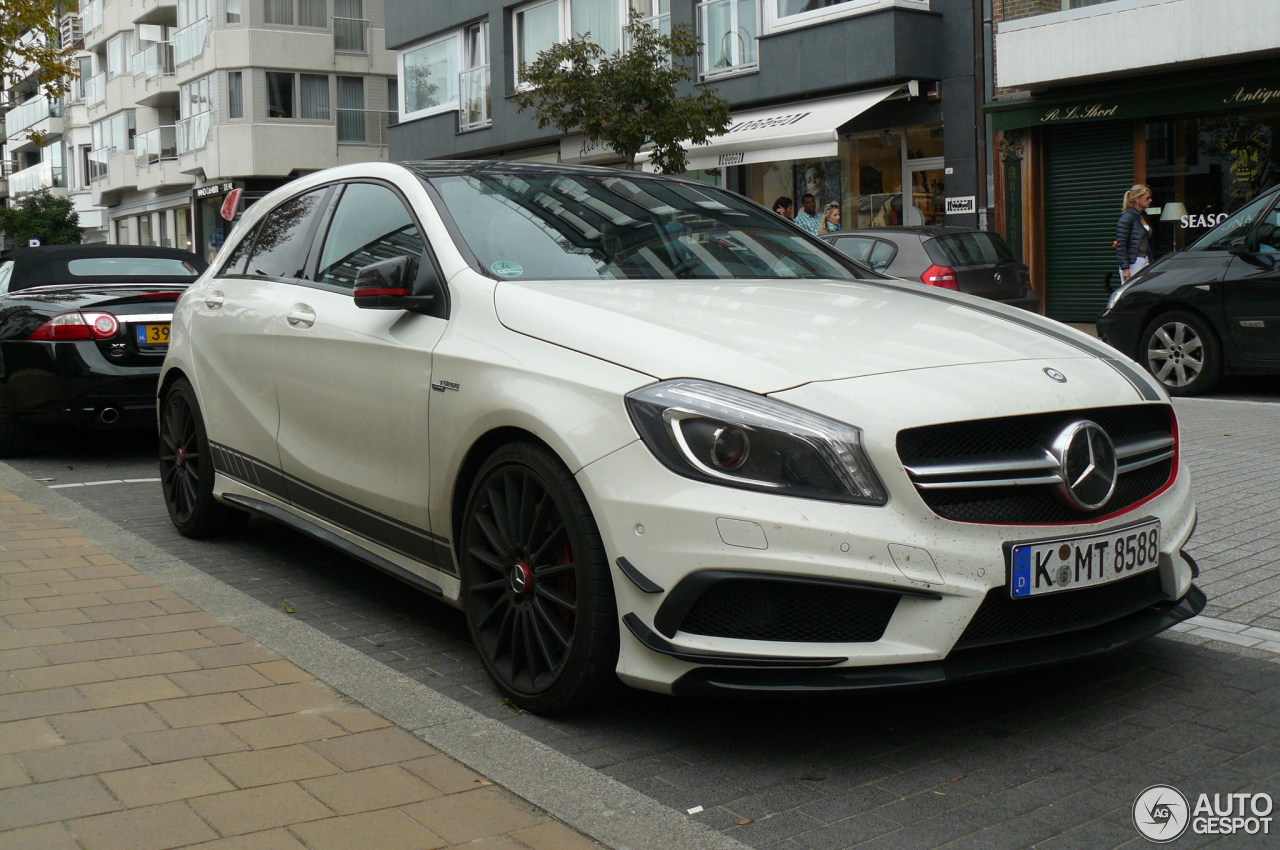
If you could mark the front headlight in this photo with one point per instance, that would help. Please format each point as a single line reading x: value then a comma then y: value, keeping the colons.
x: 1116, y: 296
x: 728, y: 436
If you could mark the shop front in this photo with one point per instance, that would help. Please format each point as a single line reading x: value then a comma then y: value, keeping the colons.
x: 876, y: 154
x: 1205, y: 143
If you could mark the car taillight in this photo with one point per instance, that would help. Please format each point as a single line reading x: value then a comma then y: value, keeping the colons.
x: 75, y: 326
x: 941, y: 276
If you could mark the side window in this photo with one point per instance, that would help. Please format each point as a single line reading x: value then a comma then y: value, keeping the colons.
x: 6, y: 272
x: 283, y: 236
x: 882, y: 254
x: 856, y: 246
x: 236, y: 259
x: 371, y: 224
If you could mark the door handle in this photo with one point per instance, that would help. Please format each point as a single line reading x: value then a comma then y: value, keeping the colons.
x: 301, y: 316
x: 214, y: 300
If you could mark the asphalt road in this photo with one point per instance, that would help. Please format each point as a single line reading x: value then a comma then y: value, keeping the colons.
x: 1055, y: 757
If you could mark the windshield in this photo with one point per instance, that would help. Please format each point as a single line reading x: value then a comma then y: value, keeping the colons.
x: 1235, y: 227
x: 609, y: 227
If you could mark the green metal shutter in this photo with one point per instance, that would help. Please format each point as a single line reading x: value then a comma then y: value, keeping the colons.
x: 1088, y: 168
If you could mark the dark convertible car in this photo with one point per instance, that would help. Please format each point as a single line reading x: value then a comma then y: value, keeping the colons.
x: 83, y: 331
x: 1211, y: 309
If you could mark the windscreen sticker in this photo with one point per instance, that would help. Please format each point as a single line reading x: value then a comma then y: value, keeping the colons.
x: 507, y: 268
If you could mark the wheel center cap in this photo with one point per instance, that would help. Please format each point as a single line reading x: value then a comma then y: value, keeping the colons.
x: 522, y: 578
x: 182, y: 456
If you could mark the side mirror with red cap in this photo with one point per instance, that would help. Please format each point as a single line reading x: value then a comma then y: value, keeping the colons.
x: 400, y: 283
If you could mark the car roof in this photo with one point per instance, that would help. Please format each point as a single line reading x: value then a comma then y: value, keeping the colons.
x: 47, y: 264
x: 923, y: 230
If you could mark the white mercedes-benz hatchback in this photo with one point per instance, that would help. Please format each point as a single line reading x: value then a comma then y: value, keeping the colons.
x: 642, y: 429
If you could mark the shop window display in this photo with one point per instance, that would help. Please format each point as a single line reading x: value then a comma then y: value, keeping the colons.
x: 1203, y: 168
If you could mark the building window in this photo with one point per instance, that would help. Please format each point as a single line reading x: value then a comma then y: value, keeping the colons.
x: 729, y: 31
x: 195, y: 113
x: 235, y: 94
x: 540, y: 25
x: 350, y: 29
x: 473, y: 82
x: 313, y: 91
x: 786, y: 14
x: 312, y: 96
x: 351, y: 114
x: 305, y: 13
x: 430, y: 74
x: 144, y: 229
x: 233, y: 11
x: 119, y: 54
x: 279, y: 95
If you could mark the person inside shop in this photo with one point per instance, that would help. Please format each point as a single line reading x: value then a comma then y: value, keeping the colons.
x: 809, y: 219
x: 1133, y: 233
x: 830, y: 219
x: 785, y: 207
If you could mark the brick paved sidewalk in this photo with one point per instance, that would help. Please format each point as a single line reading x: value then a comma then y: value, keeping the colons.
x: 130, y: 718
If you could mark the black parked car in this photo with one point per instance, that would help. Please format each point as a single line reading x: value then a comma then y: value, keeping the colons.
x: 976, y: 262
x: 1211, y: 309
x: 83, y: 331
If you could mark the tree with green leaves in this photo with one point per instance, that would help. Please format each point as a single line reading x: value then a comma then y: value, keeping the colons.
x: 42, y: 215
x: 628, y: 99
x: 33, y: 47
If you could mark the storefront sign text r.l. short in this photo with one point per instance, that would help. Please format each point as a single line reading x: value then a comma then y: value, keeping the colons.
x: 1085, y: 112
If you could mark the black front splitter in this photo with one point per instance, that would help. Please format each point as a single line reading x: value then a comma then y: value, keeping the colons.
x: 958, y: 666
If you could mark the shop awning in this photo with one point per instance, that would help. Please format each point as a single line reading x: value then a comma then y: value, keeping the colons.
x: 805, y: 130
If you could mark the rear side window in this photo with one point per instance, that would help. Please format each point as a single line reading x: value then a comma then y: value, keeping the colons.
x: 170, y: 267
x: 371, y: 224
x: 876, y: 253
x: 1237, y: 226
x: 282, y: 239
x: 968, y: 249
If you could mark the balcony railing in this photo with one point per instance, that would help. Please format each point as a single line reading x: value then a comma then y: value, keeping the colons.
x: 351, y: 35
x: 32, y: 112
x: 154, y: 61
x: 473, y: 88
x: 363, y: 126
x: 189, y: 42
x: 45, y: 175
x: 156, y: 146
x: 95, y: 89
x: 193, y: 132
x: 91, y: 15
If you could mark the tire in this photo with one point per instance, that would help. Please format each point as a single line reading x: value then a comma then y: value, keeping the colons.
x: 1183, y: 353
x: 186, y: 469
x: 536, y: 586
x: 14, y: 437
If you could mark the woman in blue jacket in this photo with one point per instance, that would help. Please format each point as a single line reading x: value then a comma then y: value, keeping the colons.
x: 1133, y: 234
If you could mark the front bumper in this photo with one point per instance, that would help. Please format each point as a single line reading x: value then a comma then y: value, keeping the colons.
x: 664, y: 532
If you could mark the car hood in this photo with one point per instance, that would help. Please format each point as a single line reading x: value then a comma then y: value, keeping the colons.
x: 769, y: 335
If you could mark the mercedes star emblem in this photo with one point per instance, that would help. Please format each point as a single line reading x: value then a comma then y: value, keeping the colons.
x: 1087, y: 464
x: 1056, y: 375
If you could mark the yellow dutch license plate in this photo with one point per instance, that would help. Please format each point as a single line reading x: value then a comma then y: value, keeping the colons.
x: 153, y: 334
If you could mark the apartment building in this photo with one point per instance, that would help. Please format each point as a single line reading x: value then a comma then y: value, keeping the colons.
x: 37, y: 132
x: 182, y: 101
x: 872, y: 104
x: 1091, y: 96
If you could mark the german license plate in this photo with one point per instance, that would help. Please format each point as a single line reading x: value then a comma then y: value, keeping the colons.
x: 153, y: 334
x: 1066, y: 563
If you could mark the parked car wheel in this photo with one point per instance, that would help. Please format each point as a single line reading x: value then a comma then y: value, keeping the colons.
x: 536, y: 585
x: 1182, y: 352
x: 186, y: 469
x: 14, y: 438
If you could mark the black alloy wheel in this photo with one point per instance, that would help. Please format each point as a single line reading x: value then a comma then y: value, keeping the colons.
x: 535, y: 584
x: 1181, y: 351
x: 186, y: 468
